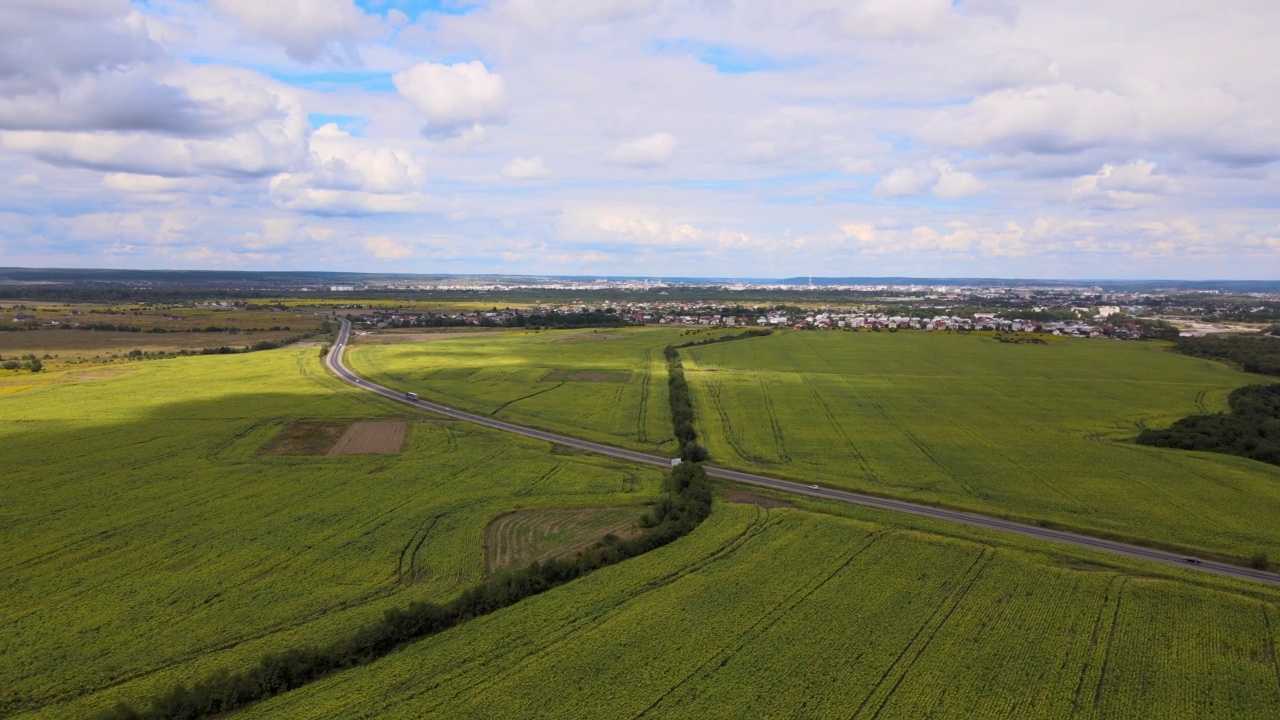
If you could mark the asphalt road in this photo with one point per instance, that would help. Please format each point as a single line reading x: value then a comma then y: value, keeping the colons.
x: 335, y: 365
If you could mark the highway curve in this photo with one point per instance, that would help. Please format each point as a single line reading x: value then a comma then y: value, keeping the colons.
x: 334, y: 362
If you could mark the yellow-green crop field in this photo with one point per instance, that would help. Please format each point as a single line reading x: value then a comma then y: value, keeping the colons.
x: 790, y: 613
x: 148, y: 541
x: 608, y: 385
x: 1031, y: 431
x: 1035, y: 432
x: 145, y: 541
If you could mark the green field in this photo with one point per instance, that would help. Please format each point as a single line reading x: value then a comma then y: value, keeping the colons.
x: 1035, y: 432
x: 1031, y: 431
x: 789, y: 613
x: 146, y: 541
x: 604, y: 385
x: 525, y: 536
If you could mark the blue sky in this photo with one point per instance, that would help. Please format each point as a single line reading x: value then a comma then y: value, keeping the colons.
x: 738, y: 138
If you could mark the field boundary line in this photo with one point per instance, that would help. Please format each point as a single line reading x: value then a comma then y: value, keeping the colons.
x: 504, y: 405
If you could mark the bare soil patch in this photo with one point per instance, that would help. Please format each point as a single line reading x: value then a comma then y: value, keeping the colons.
x: 307, y: 437
x: 519, y: 538
x: 600, y: 376
x: 750, y: 498
x: 371, y: 438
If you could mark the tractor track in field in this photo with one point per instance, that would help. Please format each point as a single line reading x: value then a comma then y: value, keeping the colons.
x: 928, y: 630
x: 642, y: 414
x: 770, y: 618
x: 593, y: 617
x: 504, y: 405
x: 1270, y: 644
x: 1024, y: 528
x: 1111, y: 639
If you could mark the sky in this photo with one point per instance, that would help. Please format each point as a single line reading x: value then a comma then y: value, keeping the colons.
x: 714, y: 138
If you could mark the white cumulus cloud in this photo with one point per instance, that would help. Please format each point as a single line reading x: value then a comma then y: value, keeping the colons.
x: 1122, y: 187
x: 386, y: 248
x: 938, y: 177
x: 646, y: 152
x: 453, y: 98
x: 521, y: 168
x: 307, y: 29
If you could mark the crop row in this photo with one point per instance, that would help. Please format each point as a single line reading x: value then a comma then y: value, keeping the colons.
x: 1025, y: 431
x: 796, y: 614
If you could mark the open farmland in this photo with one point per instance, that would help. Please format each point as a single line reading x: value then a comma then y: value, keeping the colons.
x: 603, y: 385
x: 147, y: 541
x: 519, y: 538
x: 788, y: 613
x: 1031, y: 431
x: 72, y: 345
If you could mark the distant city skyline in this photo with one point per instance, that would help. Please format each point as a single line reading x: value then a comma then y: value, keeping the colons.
x: 739, y: 139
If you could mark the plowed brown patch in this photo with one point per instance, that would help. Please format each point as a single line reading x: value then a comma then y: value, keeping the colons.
x: 369, y: 438
x: 306, y: 437
x: 519, y: 538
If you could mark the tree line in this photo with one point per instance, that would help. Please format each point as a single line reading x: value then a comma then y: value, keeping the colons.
x: 1251, y: 353
x: 682, y: 399
x: 1251, y: 429
x: 685, y: 503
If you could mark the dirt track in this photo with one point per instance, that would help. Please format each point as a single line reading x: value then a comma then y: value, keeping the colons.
x: 366, y: 438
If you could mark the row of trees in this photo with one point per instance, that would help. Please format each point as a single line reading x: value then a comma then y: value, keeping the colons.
x: 685, y: 504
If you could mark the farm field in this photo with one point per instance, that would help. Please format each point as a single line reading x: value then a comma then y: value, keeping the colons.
x: 68, y: 334
x: 524, y: 536
x: 67, y: 346
x: 608, y: 385
x: 147, y: 540
x: 1034, y: 432
x: 793, y: 613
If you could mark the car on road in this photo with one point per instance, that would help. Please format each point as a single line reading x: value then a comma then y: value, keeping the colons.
x: 1193, y: 561
x: 813, y: 487
x: 411, y: 396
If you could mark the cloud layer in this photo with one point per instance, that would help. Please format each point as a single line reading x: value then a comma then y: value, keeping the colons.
x: 748, y: 138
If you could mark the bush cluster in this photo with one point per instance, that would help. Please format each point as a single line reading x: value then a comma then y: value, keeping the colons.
x: 1251, y: 429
